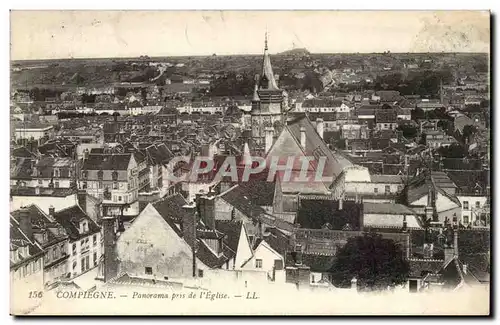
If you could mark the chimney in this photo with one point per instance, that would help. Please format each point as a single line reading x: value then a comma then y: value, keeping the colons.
x: 298, y: 256
x: 269, y: 135
x: 405, y: 224
x: 51, y: 212
x: 354, y: 284
x: 207, y: 210
x: 110, y: 258
x: 189, y: 231
x: 25, y: 223
x: 320, y: 127
x: 188, y: 223
x: 303, y: 137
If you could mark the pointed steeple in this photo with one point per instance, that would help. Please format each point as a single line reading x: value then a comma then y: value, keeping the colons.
x: 267, y: 70
x: 255, y: 93
x: 247, y: 158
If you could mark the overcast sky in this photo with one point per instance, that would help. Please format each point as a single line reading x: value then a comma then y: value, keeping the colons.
x: 80, y: 34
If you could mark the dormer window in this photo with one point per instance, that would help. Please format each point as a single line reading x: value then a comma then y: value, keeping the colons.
x: 85, y: 174
x: 84, y: 226
x: 57, y: 172
x: 114, y: 175
x: 100, y: 175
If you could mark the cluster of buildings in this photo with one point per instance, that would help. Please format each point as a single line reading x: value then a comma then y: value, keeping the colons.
x: 95, y: 195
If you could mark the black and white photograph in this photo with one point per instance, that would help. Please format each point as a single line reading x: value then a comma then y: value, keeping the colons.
x: 250, y: 162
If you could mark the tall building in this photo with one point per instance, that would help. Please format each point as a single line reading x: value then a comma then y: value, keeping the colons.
x: 268, y: 103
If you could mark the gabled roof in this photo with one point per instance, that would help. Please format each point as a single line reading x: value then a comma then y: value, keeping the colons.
x: 19, y: 239
x: 40, y: 222
x: 107, y: 161
x: 231, y: 230
x: 70, y: 219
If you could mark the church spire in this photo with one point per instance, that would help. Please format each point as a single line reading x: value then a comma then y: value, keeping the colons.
x: 269, y: 82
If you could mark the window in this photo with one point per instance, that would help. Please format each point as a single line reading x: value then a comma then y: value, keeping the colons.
x: 94, y: 240
x: 258, y: 263
x: 40, y: 182
x: 119, y: 198
x: 375, y: 190
x: 57, y: 184
x: 387, y: 189
x: 56, y: 172
x: 114, y: 175
x: 115, y: 185
x: 84, y: 174
x: 54, y: 253
x: 99, y: 184
x: 478, y: 205
x: 74, y: 249
x: 148, y: 270
x: 200, y: 273
x: 100, y: 175
x: 466, y: 205
x: 62, y: 250
x: 466, y: 219
x: 84, y: 185
x: 95, y: 259
x: 74, y: 265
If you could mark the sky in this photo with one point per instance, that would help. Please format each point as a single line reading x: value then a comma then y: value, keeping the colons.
x: 102, y: 34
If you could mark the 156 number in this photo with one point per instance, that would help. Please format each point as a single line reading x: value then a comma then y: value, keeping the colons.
x: 36, y: 294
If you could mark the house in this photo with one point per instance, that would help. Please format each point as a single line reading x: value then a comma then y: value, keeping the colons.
x: 34, y: 131
x: 161, y: 241
x: 48, y: 172
x: 473, y: 194
x: 436, y: 139
x: 84, y: 244
x: 403, y: 114
x: 26, y: 267
x: 265, y: 258
x: 114, y: 178
x: 389, y: 215
x: 44, y: 198
x: 355, y: 131
x: 374, y: 184
x: 51, y: 237
x: 433, y: 196
x: 386, y: 119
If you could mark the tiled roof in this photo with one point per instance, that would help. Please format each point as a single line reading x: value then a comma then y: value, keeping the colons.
x: 21, y: 169
x: 41, y: 222
x: 316, y: 263
x: 386, y: 209
x: 49, y: 192
x: 19, y: 239
x: 231, y: 229
x: 70, y: 217
x: 107, y: 162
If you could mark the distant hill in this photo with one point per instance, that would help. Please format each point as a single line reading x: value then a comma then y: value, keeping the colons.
x: 296, y: 52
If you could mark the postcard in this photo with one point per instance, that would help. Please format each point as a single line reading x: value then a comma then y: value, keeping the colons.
x: 250, y: 163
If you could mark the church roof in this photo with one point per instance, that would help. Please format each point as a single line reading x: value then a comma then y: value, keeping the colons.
x: 267, y: 69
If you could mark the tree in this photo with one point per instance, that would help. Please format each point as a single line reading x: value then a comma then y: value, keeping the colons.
x: 409, y: 131
x: 423, y: 139
x: 377, y: 263
x: 468, y: 131
x: 417, y: 114
x: 454, y: 150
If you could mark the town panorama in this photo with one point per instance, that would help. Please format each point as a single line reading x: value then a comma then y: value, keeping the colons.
x: 319, y: 172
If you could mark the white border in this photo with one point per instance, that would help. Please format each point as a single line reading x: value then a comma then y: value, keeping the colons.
x: 186, y: 4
